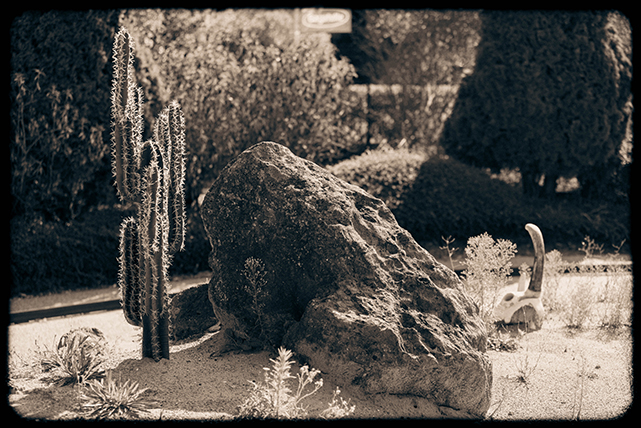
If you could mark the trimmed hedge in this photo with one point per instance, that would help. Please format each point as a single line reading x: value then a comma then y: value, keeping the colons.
x: 52, y: 256
x: 437, y: 196
x: 48, y: 256
x: 386, y: 174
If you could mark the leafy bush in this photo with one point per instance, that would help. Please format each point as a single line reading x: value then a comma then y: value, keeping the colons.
x: 435, y: 196
x: 550, y: 95
x: 554, y: 268
x: 410, y: 103
x: 60, y: 111
x: 408, y: 116
x: 239, y: 83
x: 434, y: 46
x: 488, y: 264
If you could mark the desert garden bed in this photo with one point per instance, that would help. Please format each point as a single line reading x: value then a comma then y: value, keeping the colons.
x: 566, y: 370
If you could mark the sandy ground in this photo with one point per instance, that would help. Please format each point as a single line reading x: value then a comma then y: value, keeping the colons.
x: 556, y: 373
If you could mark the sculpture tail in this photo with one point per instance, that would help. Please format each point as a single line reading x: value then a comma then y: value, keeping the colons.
x: 539, y: 257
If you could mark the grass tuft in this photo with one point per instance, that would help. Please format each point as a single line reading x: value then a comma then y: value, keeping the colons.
x: 75, y: 359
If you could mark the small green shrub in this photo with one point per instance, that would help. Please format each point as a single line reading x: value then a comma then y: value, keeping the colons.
x: 578, y: 302
x: 616, y: 308
x: 487, y: 268
x: 525, y: 367
x: 501, y: 341
x: 109, y: 398
x: 254, y: 271
x: 554, y: 268
x: 75, y: 359
x: 274, y: 399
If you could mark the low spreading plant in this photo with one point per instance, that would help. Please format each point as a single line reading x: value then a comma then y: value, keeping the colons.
x: 109, y: 398
x: 75, y: 359
x: 274, y: 399
x: 501, y: 341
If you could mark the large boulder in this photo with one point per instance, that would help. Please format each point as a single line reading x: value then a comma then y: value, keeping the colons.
x: 305, y: 260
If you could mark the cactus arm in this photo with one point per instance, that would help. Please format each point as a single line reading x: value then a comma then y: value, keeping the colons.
x: 121, y: 88
x: 126, y: 115
x: 177, y: 178
x: 129, y: 278
x: 169, y: 131
x: 118, y: 105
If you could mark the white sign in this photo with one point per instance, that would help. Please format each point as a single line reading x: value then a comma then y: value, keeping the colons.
x: 326, y: 20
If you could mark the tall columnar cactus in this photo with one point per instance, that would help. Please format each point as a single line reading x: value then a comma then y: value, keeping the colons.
x: 150, y: 175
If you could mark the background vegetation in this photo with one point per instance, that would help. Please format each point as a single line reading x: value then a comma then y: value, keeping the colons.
x: 380, y: 107
x: 550, y: 95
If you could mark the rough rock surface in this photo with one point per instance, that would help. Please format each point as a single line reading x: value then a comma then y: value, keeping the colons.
x: 341, y: 284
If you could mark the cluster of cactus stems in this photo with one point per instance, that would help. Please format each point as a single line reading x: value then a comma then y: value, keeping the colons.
x: 149, y: 175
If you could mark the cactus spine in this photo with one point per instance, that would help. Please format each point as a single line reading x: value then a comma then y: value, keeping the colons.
x: 150, y: 175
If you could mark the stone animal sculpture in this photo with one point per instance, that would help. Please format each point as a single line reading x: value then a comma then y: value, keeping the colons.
x: 524, y: 305
x: 149, y: 175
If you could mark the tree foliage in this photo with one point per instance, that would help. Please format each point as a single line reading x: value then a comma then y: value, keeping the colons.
x: 551, y: 96
x: 411, y: 47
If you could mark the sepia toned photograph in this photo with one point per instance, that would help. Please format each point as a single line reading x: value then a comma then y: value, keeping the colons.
x: 320, y: 213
